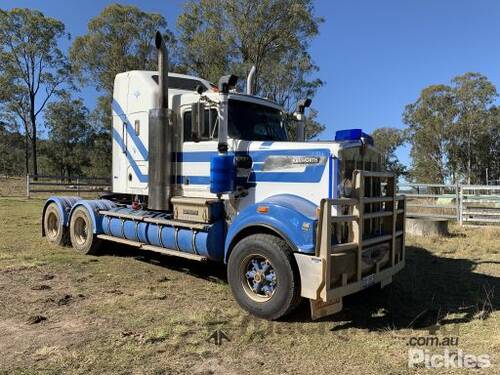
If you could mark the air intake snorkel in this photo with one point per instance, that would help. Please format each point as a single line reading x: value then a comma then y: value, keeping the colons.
x: 222, y: 169
x: 300, y: 117
x: 250, y: 81
x: 225, y: 84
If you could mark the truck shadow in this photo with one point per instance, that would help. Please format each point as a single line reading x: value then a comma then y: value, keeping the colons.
x: 210, y: 271
x: 430, y: 291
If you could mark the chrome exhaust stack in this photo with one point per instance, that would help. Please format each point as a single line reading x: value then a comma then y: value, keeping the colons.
x: 160, y: 138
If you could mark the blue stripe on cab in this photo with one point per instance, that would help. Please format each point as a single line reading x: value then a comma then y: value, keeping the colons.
x: 130, y: 130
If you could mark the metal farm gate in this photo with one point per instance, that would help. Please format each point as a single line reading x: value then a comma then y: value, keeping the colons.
x: 467, y: 204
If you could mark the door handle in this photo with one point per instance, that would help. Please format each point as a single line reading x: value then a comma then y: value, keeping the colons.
x: 124, y: 138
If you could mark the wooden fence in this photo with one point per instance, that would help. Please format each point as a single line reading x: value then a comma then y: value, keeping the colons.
x: 61, y: 184
x: 463, y: 203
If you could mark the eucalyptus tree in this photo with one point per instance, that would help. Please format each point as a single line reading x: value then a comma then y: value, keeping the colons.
x: 33, y: 69
x: 221, y: 36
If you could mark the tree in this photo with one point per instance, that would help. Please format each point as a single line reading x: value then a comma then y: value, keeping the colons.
x: 11, y: 150
x: 32, y: 68
x: 453, y: 130
x: 119, y: 39
x: 221, y: 36
x: 474, y: 95
x: 492, y: 149
x: 429, y: 121
x: 387, y: 140
x: 69, y: 135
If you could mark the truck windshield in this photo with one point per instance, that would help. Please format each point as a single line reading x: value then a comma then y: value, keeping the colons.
x: 255, y: 122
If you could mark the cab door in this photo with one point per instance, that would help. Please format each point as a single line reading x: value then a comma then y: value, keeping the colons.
x: 194, y: 158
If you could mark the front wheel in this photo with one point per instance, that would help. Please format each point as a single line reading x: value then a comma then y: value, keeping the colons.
x: 81, y: 232
x: 263, y: 277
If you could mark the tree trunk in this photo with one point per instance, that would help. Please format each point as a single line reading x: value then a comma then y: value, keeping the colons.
x: 33, y: 137
x: 27, y: 151
x: 469, y: 157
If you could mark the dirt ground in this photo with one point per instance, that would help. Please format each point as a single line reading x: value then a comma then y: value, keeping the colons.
x: 128, y: 312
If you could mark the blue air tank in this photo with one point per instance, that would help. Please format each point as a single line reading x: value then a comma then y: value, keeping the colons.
x: 209, y: 242
x: 222, y: 174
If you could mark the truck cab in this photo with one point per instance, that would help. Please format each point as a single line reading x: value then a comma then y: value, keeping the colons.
x: 208, y: 173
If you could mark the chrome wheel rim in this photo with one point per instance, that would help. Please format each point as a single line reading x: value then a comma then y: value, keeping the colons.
x: 258, y: 278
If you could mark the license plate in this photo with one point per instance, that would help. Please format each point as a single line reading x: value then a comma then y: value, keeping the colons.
x: 368, y: 280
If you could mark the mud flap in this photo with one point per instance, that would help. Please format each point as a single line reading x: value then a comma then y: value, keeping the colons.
x: 320, y: 309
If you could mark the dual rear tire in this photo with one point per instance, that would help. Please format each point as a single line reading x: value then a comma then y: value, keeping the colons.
x: 261, y: 271
x: 80, y: 233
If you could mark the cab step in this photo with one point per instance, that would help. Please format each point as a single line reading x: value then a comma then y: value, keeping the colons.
x: 156, y: 249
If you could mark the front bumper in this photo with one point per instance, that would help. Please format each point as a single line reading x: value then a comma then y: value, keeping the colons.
x: 340, y: 269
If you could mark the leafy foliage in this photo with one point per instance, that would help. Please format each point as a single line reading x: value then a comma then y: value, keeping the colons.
x: 429, y: 120
x: 452, y: 131
x: 222, y: 36
x: 471, y: 134
x: 119, y: 39
x: 387, y: 140
x: 69, y: 136
x: 32, y: 68
x: 11, y: 152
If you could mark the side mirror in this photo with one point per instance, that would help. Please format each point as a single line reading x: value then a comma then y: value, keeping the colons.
x: 197, y: 120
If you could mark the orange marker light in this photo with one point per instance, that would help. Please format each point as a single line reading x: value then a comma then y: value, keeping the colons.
x: 318, y: 212
x: 262, y: 209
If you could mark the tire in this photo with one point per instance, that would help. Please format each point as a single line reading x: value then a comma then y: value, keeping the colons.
x: 53, y: 227
x: 81, y: 231
x: 263, y: 277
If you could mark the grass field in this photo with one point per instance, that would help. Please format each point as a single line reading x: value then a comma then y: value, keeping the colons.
x: 129, y: 312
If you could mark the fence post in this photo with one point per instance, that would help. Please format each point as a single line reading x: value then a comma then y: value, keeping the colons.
x: 461, y: 205
x: 28, y: 186
x: 78, y: 185
x: 457, y: 203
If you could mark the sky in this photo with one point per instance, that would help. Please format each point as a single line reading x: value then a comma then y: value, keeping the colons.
x: 374, y: 55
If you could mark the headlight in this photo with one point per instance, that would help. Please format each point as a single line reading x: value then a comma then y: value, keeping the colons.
x: 345, y: 188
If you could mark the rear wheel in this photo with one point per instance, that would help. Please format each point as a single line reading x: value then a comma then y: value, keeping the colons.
x: 263, y: 277
x: 81, y: 231
x: 53, y: 227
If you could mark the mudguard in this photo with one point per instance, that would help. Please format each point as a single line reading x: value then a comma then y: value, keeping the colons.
x: 64, y: 205
x: 93, y: 207
x: 291, y: 216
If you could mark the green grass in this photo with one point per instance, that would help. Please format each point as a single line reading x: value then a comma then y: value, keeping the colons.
x: 129, y: 312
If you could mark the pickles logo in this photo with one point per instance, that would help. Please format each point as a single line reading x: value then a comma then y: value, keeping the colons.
x: 449, y: 359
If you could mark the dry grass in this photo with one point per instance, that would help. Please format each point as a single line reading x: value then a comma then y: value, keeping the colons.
x: 127, y: 312
x: 12, y: 186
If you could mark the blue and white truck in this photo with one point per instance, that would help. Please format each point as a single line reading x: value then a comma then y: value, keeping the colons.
x: 207, y: 173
